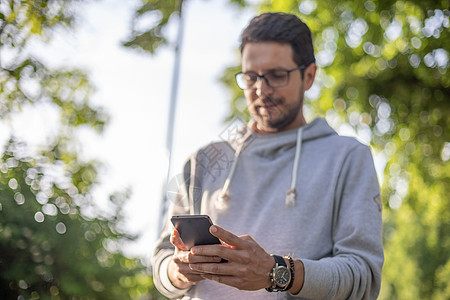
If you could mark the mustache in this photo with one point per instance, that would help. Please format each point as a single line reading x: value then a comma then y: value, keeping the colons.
x: 271, y: 101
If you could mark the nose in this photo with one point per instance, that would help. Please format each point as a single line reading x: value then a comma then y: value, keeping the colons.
x: 262, y: 86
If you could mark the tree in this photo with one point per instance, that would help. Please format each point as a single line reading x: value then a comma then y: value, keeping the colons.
x: 383, y: 73
x: 54, y: 241
x: 153, y: 37
x: 384, y: 67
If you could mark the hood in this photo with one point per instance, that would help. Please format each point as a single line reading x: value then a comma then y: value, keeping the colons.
x: 272, y: 145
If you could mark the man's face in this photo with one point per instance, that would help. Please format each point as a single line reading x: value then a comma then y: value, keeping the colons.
x: 274, y: 109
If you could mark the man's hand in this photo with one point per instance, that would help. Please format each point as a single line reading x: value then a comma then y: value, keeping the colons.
x: 181, y: 275
x: 248, y: 266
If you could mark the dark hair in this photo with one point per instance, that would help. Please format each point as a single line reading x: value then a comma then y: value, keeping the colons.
x: 282, y: 28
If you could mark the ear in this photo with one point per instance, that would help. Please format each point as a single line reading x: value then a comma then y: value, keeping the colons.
x: 309, y: 75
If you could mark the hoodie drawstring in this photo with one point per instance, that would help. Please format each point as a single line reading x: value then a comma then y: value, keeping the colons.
x: 223, y: 197
x: 291, y: 194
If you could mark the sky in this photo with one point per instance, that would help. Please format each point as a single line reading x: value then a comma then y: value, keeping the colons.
x: 134, y: 88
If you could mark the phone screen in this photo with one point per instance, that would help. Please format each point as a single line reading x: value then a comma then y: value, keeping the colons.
x: 194, y: 230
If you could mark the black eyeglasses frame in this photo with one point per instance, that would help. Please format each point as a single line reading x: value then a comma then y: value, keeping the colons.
x: 263, y: 76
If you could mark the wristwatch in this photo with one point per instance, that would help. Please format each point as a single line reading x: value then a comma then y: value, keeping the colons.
x: 280, y: 275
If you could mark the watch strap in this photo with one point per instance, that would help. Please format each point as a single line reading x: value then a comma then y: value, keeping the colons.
x: 279, y: 260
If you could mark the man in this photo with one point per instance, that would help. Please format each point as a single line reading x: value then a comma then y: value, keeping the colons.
x: 297, y: 208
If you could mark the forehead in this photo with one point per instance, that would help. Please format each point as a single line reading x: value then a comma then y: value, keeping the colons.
x: 263, y: 56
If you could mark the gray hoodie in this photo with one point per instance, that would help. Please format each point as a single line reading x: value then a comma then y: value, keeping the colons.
x: 334, y: 225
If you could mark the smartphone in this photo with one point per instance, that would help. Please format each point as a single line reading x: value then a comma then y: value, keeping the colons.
x: 194, y: 230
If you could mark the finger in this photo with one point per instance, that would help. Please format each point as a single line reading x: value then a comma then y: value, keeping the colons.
x: 194, y: 279
x: 231, y: 254
x: 187, y: 275
x: 181, y: 257
x: 217, y: 269
x: 250, y: 241
x: 187, y: 257
x: 175, y: 240
x: 228, y: 237
x: 196, y: 259
x: 213, y: 251
x: 186, y: 270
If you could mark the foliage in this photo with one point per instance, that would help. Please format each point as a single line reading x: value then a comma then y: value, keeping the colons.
x: 150, y: 38
x: 49, y: 247
x: 383, y: 72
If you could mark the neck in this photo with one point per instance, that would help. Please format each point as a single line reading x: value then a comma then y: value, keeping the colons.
x: 261, y: 130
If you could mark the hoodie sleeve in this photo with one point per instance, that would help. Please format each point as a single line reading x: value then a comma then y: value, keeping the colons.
x: 164, y: 250
x: 354, y: 269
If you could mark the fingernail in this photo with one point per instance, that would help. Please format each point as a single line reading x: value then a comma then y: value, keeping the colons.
x: 213, y: 228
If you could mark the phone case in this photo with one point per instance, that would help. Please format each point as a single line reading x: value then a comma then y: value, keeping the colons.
x: 194, y: 230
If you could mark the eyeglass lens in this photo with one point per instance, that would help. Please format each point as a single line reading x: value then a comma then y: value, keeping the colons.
x: 274, y: 78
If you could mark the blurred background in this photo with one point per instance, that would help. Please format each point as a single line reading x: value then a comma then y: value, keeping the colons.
x: 88, y: 148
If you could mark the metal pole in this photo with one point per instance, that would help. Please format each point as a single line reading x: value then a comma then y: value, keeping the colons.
x: 172, y: 111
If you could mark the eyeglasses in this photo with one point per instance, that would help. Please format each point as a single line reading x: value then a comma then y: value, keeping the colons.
x: 276, y: 78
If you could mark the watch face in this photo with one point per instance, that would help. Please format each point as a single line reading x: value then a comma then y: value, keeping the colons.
x: 282, y: 276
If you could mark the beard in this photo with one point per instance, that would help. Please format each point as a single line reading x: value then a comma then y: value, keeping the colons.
x: 279, y: 116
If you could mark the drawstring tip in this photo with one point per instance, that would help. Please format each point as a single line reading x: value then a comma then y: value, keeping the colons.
x: 290, y: 198
x: 223, y: 197
x: 221, y: 201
